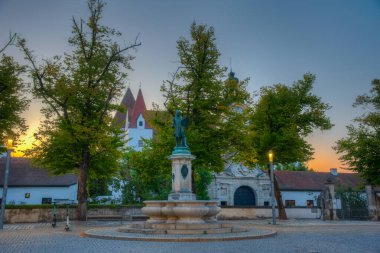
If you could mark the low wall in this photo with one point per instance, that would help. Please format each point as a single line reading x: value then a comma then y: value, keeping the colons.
x: 19, y: 215
x: 231, y: 213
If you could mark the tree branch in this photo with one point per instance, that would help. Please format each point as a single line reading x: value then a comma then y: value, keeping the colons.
x: 80, y: 35
x: 10, y: 41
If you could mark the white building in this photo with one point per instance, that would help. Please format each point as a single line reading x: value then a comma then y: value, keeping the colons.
x: 133, y: 121
x: 31, y: 185
x: 240, y: 186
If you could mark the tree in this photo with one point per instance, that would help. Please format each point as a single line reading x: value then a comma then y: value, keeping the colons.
x: 281, y: 120
x: 12, y: 100
x: 216, y: 109
x: 360, y: 149
x: 78, y: 92
x: 198, y: 90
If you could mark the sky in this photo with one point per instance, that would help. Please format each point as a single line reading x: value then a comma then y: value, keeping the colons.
x: 267, y: 41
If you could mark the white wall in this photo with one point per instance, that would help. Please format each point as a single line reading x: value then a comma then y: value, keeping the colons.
x: 266, y: 213
x: 16, y: 195
x: 225, y: 186
x: 300, y: 197
x: 135, y: 134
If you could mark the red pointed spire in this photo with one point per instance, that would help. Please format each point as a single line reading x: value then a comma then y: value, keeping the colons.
x: 139, y: 109
x: 128, y: 103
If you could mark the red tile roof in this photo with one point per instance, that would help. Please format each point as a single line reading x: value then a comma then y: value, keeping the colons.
x: 139, y: 109
x: 315, y: 181
x: 127, y: 103
x: 134, y: 108
x: 22, y: 173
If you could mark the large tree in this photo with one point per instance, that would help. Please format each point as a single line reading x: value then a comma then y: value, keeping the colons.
x: 360, y: 150
x: 216, y: 108
x: 79, y: 91
x: 203, y: 96
x: 282, y: 118
x: 13, y: 101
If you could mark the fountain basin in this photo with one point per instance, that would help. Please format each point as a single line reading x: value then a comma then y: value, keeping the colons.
x: 177, y: 211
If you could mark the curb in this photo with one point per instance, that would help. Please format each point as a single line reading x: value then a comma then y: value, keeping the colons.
x: 112, y: 234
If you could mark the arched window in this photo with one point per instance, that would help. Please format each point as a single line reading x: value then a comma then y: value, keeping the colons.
x: 244, y: 196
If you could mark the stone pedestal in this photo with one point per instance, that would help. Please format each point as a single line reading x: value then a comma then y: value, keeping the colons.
x: 181, y: 206
x: 181, y: 175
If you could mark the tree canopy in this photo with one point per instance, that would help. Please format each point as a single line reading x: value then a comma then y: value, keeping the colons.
x: 13, y: 101
x: 79, y: 92
x: 360, y: 149
x: 215, y: 107
x: 283, y: 116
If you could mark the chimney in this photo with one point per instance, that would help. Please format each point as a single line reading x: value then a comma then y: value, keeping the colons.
x: 334, y: 171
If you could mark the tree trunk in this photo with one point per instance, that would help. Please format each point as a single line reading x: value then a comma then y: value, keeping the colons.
x: 280, y: 205
x: 82, y: 187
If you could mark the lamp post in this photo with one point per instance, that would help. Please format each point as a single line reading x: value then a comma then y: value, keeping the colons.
x: 270, y: 156
x: 5, y: 186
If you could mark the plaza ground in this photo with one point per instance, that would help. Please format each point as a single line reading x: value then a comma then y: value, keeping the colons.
x: 307, y: 236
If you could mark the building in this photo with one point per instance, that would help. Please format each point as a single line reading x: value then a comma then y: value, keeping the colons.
x: 30, y: 185
x: 134, y: 120
x: 302, y: 188
x: 240, y: 186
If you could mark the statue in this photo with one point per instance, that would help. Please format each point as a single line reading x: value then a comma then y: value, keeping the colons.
x: 179, y: 123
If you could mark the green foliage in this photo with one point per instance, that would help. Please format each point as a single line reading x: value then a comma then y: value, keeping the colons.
x: 283, y: 116
x: 98, y: 187
x: 209, y: 102
x: 203, y: 178
x: 360, y: 149
x: 79, y: 92
x: 12, y: 100
x: 217, y: 111
x: 149, y: 173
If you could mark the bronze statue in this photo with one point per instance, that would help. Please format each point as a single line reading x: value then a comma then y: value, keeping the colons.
x: 179, y: 123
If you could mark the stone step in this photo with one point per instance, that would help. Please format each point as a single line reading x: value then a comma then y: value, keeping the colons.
x: 191, y: 226
x: 198, y: 226
x: 219, y: 231
x: 185, y: 231
x: 142, y: 230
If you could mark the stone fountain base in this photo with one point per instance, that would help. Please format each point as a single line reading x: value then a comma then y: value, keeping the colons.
x: 181, y: 212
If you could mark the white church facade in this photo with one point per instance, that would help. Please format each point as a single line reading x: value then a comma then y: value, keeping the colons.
x: 133, y: 120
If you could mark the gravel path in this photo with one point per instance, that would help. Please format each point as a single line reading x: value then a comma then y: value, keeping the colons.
x: 292, y: 236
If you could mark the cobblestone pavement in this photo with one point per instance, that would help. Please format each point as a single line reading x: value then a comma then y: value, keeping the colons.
x: 293, y: 237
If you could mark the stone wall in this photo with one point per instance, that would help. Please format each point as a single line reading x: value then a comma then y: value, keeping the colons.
x: 45, y: 215
x: 20, y: 215
x: 37, y: 215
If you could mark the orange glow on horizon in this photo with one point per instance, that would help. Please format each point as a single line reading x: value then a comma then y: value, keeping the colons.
x: 323, y: 163
x: 26, y: 142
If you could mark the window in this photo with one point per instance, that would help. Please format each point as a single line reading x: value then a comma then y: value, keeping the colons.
x: 223, y: 203
x: 310, y: 203
x: 141, y: 143
x: 46, y: 200
x: 140, y: 123
x: 266, y: 203
x: 290, y: 203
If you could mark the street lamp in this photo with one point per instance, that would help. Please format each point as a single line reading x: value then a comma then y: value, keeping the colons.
x: 270, y: 156
x: 5, y: 186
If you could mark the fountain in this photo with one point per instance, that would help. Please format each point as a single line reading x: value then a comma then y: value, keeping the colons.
x: 181, y: 216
